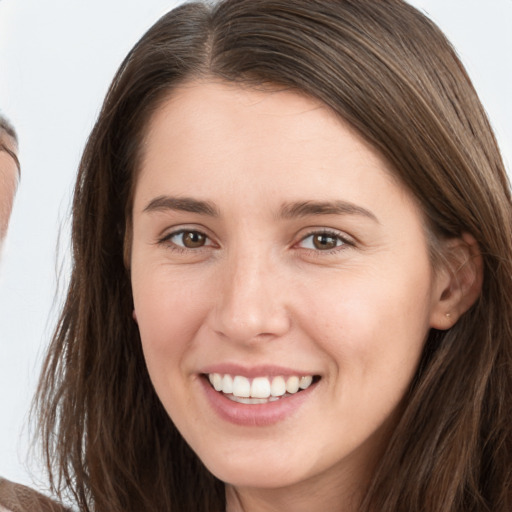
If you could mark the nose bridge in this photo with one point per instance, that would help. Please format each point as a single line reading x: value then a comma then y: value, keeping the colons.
x: 251, y: 304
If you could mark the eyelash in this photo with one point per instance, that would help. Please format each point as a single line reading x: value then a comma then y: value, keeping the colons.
x: 173, y: 246
x: 345, y: 242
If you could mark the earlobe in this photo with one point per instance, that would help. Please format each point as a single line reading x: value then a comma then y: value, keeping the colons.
x: 459, y: 282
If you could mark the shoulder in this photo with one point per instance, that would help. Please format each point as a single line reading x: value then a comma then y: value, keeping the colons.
x: 19, y: 498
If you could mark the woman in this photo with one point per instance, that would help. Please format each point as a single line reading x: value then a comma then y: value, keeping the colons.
x: 14, y: 497
x: 9, y: 173
x: 292, y: 273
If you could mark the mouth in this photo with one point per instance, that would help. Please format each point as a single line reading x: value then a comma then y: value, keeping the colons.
x: 259, y: 390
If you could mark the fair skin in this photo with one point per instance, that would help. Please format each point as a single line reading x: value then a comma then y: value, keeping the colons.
x: 271, y: 242
x: 8, y: 184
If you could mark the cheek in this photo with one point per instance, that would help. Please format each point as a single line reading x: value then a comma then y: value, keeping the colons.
x: 168, y: 315
x: 374, y: 326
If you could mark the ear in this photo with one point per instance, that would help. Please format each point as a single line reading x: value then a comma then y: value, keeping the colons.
x: 458, y: 282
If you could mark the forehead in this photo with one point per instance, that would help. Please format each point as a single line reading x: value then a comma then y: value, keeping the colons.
x: 221, y: 98
x: 285, y: 125
x: 218, y: 136
x: 197, y: 111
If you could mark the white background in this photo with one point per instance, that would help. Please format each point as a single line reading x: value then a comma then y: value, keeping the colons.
x: 57, y: 58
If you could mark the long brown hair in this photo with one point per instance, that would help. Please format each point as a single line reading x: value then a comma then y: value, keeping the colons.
x: 387, y: 70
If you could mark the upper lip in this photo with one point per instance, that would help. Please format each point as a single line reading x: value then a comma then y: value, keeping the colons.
x: 254, y: 371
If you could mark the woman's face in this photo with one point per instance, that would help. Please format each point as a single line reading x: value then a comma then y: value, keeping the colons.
x: 273, y: 250
x: 8, y: 183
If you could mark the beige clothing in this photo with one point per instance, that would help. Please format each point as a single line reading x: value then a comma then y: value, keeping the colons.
x: 18, y: 498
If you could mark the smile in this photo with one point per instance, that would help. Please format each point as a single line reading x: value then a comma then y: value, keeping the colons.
x: 259, y: 390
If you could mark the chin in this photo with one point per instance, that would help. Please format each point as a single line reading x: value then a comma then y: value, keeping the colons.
x: 260, y: 477
x: 278, y: 469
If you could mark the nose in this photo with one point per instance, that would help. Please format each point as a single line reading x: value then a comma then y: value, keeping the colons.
x: 251, y: 304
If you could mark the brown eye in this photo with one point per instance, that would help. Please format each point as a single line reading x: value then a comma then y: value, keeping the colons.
x: 192, y: 239
x: 187, y: 239
x: 324, y: 242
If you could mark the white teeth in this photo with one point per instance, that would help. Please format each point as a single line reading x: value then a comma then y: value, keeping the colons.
x: 216, y: 380
x: 241, y: 387
x: 250, y: 401
x: 292, y: 384
x: 261, y: 389
x: 278, y: 387
x: 305, y: 382
x: 227, y: 384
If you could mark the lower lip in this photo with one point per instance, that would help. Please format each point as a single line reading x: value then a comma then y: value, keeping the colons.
x: 256, y: 415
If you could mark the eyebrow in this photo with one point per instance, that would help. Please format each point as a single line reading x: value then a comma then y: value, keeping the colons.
x: 183, y: 204
x: 287, y: 211
x: 307, y: 208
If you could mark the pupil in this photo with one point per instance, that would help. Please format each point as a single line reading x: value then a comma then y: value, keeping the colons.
x: 193, y: 239
x: 324, y: 242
